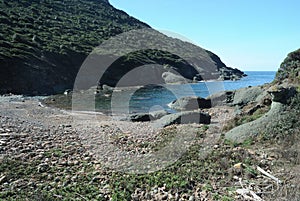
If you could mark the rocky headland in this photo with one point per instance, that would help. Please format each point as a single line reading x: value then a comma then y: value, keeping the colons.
x: 43, y: 44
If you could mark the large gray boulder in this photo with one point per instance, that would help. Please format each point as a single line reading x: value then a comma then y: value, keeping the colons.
x: 190, y: 103
x: 245, y: 95
x: 158, y: 114
x: 221, y: 98
x: 142, y: 117
x: 188, y: 117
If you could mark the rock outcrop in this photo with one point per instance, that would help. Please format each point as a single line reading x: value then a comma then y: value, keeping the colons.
x: 256, y: 128
x: 280, y: 96
x: 282, y: 120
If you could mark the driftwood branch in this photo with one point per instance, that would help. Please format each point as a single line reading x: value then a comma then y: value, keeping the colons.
x: 278, y: 181
x: 245, y: 192
x: 256, y: 197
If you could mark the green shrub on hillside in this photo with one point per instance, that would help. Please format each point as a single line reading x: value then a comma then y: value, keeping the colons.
x: 290, y: 68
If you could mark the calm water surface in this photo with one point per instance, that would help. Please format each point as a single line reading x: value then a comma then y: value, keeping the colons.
x: 151, y: 99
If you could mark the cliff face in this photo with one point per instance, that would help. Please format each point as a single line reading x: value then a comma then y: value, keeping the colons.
x: 43, y: 43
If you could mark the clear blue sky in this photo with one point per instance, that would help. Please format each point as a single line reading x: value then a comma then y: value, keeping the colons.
x: 247, y: 34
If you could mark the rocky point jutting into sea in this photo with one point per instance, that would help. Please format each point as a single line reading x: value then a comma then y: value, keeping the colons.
x: 243, y: 145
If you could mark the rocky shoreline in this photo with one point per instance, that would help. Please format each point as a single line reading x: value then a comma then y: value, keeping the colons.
x: 64, y: 153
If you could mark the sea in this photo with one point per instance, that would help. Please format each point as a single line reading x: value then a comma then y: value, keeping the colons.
x: 149, y: 99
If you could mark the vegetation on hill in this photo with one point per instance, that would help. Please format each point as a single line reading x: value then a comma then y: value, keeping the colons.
x: 60, y: 26
x: 290, y: 68
x: 44, y: 42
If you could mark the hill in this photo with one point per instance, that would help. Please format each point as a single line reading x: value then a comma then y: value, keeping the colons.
x: 44, y: 42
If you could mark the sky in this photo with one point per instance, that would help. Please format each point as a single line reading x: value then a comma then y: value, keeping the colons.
x: 252, y: 35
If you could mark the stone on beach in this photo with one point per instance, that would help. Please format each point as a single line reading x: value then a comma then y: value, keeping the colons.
x: 197, y: 117
x: 190, y: 103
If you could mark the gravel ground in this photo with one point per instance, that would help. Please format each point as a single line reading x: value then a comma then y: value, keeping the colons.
x: 31, y: 132
x: 51, y: 149
x: 28, y: 127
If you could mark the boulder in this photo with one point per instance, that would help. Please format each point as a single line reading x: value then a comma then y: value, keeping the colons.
x: 187, y: 117
x: 158, y: 114
x: 171, y: 78
x: 190, y: 103
x: 142, y: 117
x: 221, y: 98
x: 245, y: 95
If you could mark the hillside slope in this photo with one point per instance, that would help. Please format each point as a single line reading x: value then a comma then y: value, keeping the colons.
x: 44, y: 42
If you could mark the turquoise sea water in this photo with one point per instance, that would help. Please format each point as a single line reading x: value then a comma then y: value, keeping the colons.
x: 151, y: 99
